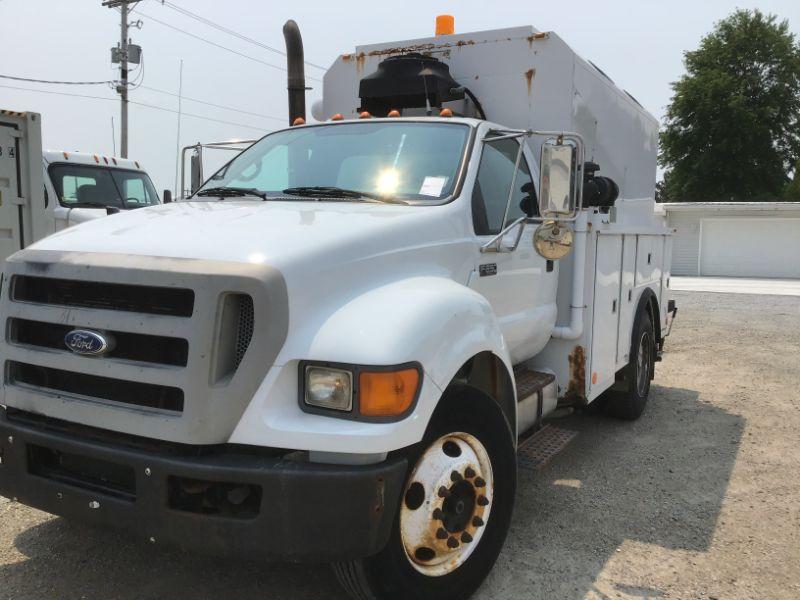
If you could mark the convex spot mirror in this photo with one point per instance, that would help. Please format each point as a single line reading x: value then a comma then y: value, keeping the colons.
x: 553, y: 240
x: 557, y: 187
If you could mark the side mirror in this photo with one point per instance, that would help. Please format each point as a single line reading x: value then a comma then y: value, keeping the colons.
x: 558, y: 185
x: 167, y: 196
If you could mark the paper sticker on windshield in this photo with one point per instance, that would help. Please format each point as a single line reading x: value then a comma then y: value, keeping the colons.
x: 432, y: 186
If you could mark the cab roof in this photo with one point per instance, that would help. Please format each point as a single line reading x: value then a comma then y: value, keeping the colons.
x: 85, y: 158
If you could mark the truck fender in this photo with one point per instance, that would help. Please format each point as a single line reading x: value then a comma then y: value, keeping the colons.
x: 448, y: 328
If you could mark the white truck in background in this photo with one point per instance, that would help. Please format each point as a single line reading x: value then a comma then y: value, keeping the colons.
x: 42, y: 192
x: 332, y: 349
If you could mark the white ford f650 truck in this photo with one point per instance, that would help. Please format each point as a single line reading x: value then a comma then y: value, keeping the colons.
x: 44, y: 192
x: 331, y: 351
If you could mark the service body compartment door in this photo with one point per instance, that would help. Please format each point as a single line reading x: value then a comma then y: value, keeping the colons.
x: 628, y: 299
x: 605, y: 321
x: 10, y: 212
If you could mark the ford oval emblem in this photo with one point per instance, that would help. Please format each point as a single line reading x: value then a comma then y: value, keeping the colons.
x: 91, y: 343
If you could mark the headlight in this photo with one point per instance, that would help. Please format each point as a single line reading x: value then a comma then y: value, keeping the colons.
x: 329, y: 388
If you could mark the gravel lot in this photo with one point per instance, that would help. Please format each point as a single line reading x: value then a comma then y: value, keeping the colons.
x: 700, y: 498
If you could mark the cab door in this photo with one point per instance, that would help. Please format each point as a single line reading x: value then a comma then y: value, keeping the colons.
x: 519, y: 284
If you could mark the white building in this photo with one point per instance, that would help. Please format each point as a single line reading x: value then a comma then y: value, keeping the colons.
x: 735, y: 239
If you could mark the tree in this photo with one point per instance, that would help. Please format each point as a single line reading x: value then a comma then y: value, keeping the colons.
x: 732, y: 130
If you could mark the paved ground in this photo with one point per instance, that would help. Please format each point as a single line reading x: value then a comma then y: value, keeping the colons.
x: 698, y: 499
x: 737, y: 285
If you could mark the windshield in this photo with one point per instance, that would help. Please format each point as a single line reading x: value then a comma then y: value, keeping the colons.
x: 402, y: 160
x: 84, y: 185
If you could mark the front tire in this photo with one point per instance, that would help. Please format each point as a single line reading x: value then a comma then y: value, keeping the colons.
x: 455, y: 510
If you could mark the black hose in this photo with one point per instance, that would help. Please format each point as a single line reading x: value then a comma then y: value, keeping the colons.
x: 295, y: 68
x: 476, y: 102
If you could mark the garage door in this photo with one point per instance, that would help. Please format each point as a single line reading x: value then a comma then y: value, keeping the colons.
x: 750, y: 247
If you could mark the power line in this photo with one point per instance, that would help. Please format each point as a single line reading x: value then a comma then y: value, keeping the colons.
x: 57, y: 82
x: 220, y: 46
x: 224, y: 29
x: 222, y: 106
x: 151, y: 106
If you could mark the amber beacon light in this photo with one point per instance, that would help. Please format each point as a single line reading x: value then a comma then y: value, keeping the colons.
x: 387, y: 393
x: 445, y: 25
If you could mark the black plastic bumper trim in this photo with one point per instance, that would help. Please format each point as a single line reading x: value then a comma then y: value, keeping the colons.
x: 308, y: 512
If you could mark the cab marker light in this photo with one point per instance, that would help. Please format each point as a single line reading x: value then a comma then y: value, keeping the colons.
x: 298, y: 121
x: 393, y: 113
x: 66, y: 155
x: 446, y: 112
x: 97, y: 159
x: 365, y: 115
x: 337, y: 117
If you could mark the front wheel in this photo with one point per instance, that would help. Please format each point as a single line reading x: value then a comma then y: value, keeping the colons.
x: 454, y: 514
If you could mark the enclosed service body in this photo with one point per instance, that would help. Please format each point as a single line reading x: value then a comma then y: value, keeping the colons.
x: 331, y: 350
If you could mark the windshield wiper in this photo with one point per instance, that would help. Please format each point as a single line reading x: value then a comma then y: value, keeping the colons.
x: 327, y: 191
x: 231, y: 192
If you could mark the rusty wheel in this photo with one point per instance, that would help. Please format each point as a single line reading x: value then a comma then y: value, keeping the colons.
x: 446, y: 504
x: 455, y: 510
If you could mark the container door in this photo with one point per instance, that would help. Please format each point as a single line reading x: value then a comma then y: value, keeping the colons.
x: 10, y: 212
x: 606, y: 309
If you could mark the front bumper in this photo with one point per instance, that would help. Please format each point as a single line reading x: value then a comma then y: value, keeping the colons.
x: 304, y: 511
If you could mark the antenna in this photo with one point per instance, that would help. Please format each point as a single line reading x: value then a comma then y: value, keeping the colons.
x: 113, y: 139
x: 178, y: 135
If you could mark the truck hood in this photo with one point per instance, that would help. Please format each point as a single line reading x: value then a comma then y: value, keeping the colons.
x: 273, y: 232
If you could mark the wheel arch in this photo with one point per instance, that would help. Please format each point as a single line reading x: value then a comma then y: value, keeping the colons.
x: 486, y: 374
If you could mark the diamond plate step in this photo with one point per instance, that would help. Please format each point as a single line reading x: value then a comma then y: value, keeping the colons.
x: 538, y: 450
x: 529, y: 382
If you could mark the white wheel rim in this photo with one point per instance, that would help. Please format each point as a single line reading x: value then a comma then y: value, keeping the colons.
x: 446, y: 504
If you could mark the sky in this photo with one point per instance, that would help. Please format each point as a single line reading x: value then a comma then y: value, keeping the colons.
x: 639, y: 44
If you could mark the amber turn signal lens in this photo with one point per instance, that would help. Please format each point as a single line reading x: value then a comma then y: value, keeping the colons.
x: 387, y: 393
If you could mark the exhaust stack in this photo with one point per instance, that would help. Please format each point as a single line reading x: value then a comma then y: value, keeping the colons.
x: 295, y: 67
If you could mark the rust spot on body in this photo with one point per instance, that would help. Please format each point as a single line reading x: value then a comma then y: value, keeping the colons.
x: 360, y: 58
x: 537, y: 36
x: 576, y: 391
x: 529, y: 75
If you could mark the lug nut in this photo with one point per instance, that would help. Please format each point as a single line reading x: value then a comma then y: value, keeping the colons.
x: 441, y: 534
x: 455, y: 476
x: 483, y: 501
x: 452, y: 543
x: 477, y: 522
x: 469, y: 473
x: 438, y: 514
x: 443, y: 492
x: 466, y: 538
x: 479, y: 482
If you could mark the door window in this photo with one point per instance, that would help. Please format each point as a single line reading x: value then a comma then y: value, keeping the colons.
x: 490, y: 195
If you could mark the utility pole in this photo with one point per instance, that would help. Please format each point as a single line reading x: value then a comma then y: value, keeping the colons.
x: 123, y: 80
x: 124, y: 53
